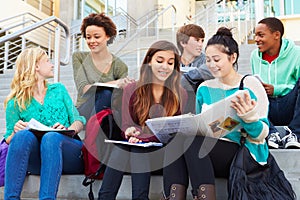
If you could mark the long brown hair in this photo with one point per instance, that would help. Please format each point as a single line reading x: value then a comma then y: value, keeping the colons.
x: 171, y: 96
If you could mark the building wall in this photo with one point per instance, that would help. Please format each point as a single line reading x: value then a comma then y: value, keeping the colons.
x: 291, y: 26
x: 64, y: 9
x: 15, y: 7
x: 137, y: 9
x: 65, y: 12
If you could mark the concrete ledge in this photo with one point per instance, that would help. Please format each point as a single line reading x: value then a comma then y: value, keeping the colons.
x: 71, y: 187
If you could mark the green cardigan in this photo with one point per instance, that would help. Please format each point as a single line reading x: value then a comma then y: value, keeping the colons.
x: 86, y: 73
x: 57, y: 107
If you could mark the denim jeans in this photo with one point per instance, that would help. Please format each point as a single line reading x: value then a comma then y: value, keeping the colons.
x: 113, y: 177
x: 53, y: 155
x: 285, y: 110
x: 96, y: 103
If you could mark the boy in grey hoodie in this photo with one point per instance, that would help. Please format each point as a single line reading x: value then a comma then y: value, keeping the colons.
x: 190, y: 40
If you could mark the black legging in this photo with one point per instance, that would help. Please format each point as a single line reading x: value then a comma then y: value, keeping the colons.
x: 218, y: 155
x: 135, y: 160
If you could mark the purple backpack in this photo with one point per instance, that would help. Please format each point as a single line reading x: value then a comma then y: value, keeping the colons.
x: 3, y: 153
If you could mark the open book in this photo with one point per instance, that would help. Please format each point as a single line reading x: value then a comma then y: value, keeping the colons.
x: 216, y: 121
x: 258, y: 77
x: 40, y: 129
x: 139, y: 144
x: 97, y: 86
x: 109, y: 85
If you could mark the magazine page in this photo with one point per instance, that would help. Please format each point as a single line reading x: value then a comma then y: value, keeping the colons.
x: 40, y: 129
x: 220, y: 118
x: 97, y: 86
x: 139, y: 144
x: 106, y: 85
x: 216, y: 121
x: 164, y: 128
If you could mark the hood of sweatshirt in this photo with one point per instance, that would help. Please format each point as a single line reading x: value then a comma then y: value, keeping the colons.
x: 283, y: 72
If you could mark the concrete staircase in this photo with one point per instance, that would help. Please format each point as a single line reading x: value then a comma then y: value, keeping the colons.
x: 70, y: 185
x: 71, y: 188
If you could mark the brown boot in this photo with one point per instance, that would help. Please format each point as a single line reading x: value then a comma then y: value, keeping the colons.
x: 207, y: 192
x: 177, y: 192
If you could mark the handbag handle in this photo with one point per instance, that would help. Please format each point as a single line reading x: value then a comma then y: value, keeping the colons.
x: 241, y: 87
x: 243, y: 138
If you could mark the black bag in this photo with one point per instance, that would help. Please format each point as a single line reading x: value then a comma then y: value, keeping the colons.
x: 249, y: 180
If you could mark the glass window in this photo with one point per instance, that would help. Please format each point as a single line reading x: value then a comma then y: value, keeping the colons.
x: 291, y: 7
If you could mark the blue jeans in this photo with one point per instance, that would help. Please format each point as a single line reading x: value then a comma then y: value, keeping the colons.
x: 113, y: 178
x: 285, y: 110
x: 96, y: 103
x: 53, y: 155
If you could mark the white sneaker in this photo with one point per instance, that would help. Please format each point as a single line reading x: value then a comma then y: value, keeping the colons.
x: 274, y: 140
x: 290, y: 140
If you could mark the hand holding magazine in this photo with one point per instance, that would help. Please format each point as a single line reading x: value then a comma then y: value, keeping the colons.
x: 216, y: 121
x: 40, y: 129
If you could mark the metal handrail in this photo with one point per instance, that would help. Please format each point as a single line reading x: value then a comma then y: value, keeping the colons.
x: 37, y: 25
x: 233, y: 15
x: 14, y: 26
x: 124, y: 13
x: 133, y: 36
x: 15, y: 16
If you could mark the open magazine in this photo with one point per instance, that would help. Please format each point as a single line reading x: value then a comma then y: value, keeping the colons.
x: 216, y: 121
x: 110, y: 85
x: 40, y: 129
x: 139, y: 144
x: 98, y: 86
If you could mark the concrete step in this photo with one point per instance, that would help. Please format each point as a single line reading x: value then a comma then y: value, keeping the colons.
x: 71, y: 188
x: 71, y: 185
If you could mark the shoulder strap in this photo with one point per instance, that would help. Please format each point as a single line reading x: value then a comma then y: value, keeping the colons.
x: 241, y: 87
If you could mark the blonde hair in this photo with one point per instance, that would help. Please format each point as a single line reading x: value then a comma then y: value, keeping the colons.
x: 25, y: 78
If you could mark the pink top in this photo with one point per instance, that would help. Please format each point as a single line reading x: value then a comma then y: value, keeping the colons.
x: 129, y: 119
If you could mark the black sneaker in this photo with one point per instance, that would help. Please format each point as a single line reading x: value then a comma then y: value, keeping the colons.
x: 290, y: 140
x: 274, y: 140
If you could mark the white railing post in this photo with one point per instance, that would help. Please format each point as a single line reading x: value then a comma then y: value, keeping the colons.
x: 57, y: 54
x: 49, y: 44
x: 40, y: 5
x: 206, y: 21
x: 23, y: 43
x: 6, y: 51
x: 173, y: 25
x: 138, y: 56
x: 239, y: 27
x: 147, y: 28
x: 157, y: 29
